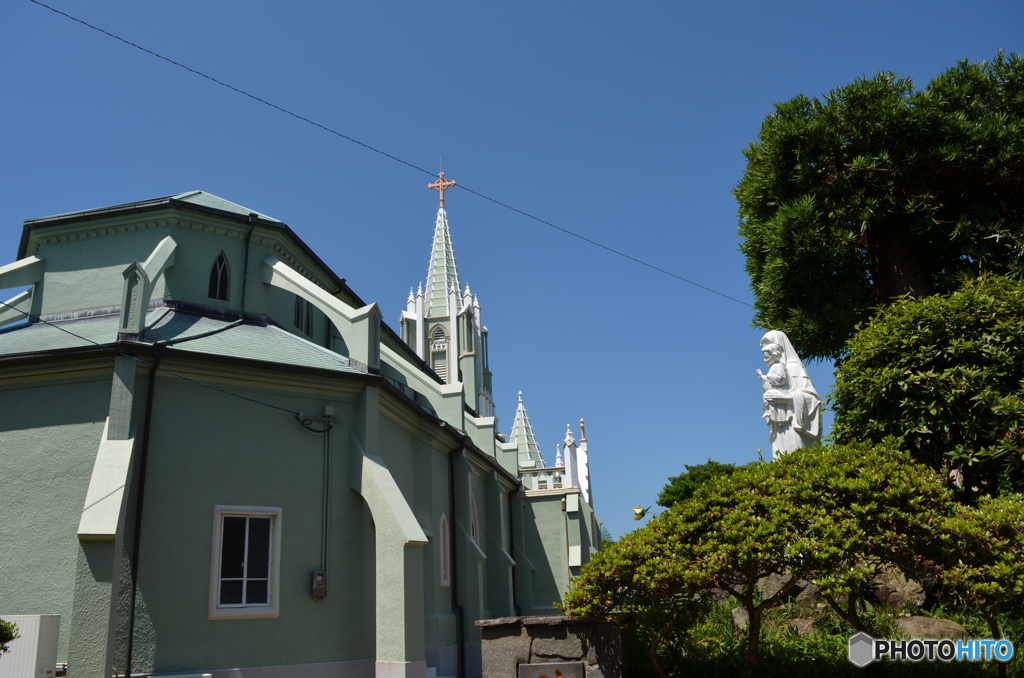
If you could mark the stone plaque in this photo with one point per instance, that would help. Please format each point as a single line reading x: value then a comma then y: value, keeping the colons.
x: 554, y: 670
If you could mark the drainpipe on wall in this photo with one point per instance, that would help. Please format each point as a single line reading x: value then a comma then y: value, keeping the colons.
x: 139, y: 498
x: 325, y: 517
x: 460, y: 613
x: 140, y: 495
x: 512, y: 549
x: 568, y: 547
x: 253, y: 218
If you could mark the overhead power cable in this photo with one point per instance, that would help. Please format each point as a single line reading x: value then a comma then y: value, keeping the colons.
x: 389, y: 155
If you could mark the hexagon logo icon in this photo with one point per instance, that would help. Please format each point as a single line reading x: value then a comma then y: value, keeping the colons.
x: 861, y: 650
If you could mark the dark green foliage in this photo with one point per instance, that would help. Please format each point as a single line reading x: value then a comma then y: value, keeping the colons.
x: 945, y: 375
x: 985, y: 549
x: 606, y: 537
x: 878, y: 191
x: 682, y: 486
x: 832, y: 515
x: 713, y: 649
x: 8, y: 632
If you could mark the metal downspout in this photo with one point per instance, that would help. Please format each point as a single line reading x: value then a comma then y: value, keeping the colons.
x: 460, y: 632
x: 512, y: 552
x: 139, y: 500
x: 326, y: 499
x: 140, y: 495
x: 253, y: 218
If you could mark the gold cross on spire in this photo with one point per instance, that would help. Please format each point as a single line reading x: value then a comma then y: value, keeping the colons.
x: 441, y: 185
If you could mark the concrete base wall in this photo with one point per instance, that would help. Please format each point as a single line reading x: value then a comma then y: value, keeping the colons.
x: 511, y: 642
x: 349, y: 669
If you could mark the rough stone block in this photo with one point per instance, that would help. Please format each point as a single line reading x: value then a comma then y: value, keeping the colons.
x: 895, y: 590
x: 803, y: 625
x: 930, y: 627
x: 740, y: 618
x: 604, y: 644
x: 557, y: 643
x: 505, y: 648
x: 552, y: 670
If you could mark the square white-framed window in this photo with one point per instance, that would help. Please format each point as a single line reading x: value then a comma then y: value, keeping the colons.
x: 245, y: 567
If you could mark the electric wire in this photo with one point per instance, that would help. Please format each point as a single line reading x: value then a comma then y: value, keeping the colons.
x: 395, y: 158
x: 304, y: 421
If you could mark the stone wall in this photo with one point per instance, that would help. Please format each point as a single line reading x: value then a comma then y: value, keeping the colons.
x: 530, y: 647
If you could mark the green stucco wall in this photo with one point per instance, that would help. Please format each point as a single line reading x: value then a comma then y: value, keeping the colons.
x: 48, y: 434
x: 544, y: 527
x: 210, y: 449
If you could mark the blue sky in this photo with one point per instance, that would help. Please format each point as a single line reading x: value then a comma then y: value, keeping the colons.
x: 622, y: 122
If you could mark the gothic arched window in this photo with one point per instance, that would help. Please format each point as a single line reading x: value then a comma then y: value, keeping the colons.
x: 219, y: 280
x: 439, y: 352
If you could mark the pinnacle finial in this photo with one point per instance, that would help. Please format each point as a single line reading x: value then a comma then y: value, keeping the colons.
x: 441, y: 185
x: 583, y: 431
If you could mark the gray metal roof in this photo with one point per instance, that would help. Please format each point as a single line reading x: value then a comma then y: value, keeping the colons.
x: 209, y: 200
x: 188, y: 332
x: 59, y: 335
x: 200, y: 334
x: 198, y: 198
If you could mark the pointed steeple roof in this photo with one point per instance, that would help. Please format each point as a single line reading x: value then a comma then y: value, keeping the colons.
x: 526, y: 442
x: 442, y: 273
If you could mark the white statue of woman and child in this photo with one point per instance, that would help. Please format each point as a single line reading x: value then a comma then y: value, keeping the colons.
x: 792, y: 407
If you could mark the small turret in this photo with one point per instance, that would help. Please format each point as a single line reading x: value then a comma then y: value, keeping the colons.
x: 526, y: 442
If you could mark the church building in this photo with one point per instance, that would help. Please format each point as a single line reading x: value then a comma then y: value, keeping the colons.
x: 220, y: 461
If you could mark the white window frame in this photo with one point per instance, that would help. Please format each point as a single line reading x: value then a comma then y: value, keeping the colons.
x: 262, y: 611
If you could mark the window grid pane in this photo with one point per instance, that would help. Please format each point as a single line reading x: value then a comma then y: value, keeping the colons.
x: 231, y: 592
x: 245, y: 561
x: 258, y: 559
x: 257, y: 592
x: 232, y: 551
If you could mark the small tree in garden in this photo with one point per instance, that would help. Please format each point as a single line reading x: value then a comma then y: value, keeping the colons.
x: 643, y: 573
x: 984, y: 547
x: 861, y: 508
x: 832, y: 515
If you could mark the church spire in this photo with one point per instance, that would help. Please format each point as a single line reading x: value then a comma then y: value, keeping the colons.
x: 442, y: 273
x: 525, y: 441
x: 441, y: 322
